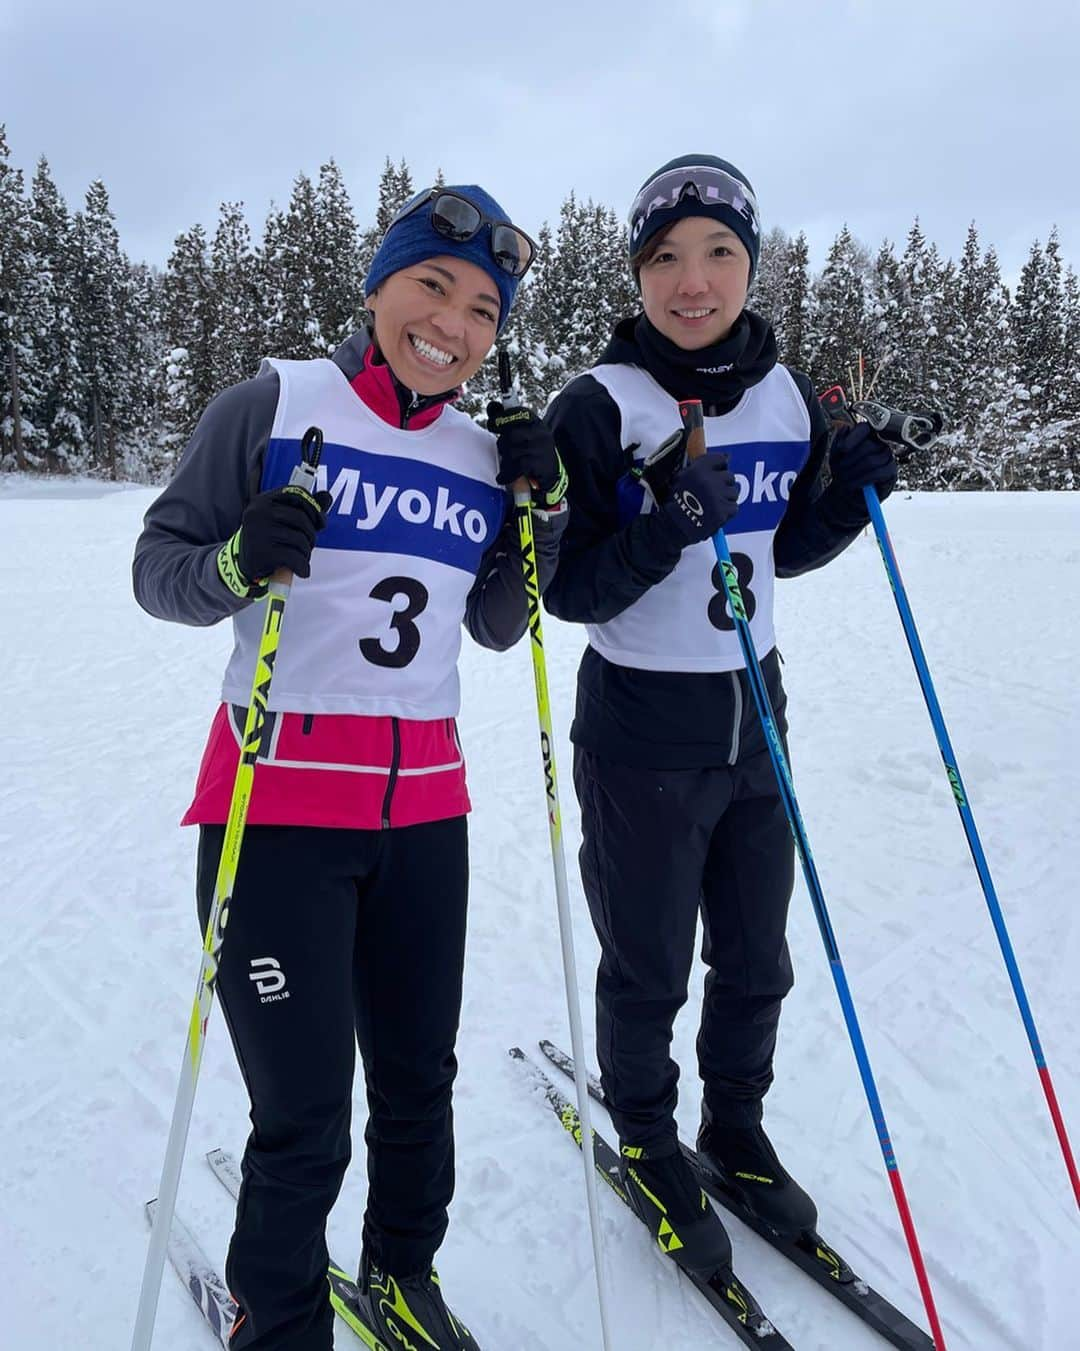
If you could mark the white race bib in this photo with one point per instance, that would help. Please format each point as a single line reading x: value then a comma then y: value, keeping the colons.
x: 683, y: 622
x: 376, y: 628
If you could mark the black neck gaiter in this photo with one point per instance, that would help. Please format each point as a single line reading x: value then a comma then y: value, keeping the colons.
x: 717, y: 375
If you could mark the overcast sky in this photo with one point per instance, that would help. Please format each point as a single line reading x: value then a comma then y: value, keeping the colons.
x: 864, y: 111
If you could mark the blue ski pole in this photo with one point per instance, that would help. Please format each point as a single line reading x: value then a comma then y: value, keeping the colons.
x: 895, y: 425
x: 693, y: 421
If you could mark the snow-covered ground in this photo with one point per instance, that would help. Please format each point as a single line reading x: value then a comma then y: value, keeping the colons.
x: 106, y: 713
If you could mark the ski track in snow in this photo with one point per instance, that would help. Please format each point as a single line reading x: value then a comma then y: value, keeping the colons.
x: 107, y: 714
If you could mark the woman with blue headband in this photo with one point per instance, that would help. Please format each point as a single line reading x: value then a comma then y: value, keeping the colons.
x: 347, y: 920
x: 680, y: 808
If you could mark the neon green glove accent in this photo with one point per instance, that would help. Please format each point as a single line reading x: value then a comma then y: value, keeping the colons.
x: 228, y: 567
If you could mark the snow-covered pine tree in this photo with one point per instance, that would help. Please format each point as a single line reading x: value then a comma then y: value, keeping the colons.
x: 942, y: 361
x: 238, y: 338
x: 60, y: 411
x: 526, y: 357
x: 886, y: 300
x: 386, y: 199
x: 793, y: 319
x: 404, y: 189
x: 269, y: 280
x: 571, y: 288
x: 299, y: 333
x: 371, y: 236
x: 837, y: 330
x: 991, y: 446
x: 983, y: 430
x: 532, y: 324
x: 102, y: 322
x: 974, y: 339
x: 395, y: 189
x: 1057, y: 395
x: 908, y: 375
x: 339, y: 297
x: 922, y: 364
x: 1038, y: 326
x: 610, y: 294
x: 1041, y: 325
x: 547, y: 350
x: 21, y: 387
x: 940, y: 276
x: 1069, y: 381
x: 1068, y: 475
x: 767, y: 292
x: 144, y: 456
x: 190, y: 322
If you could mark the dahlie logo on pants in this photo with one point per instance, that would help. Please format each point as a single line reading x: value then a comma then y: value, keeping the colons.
x: 269, y: 979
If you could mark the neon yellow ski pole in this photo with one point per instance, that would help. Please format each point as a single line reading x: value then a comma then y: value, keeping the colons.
x: 303, y: 476
x: 523, y: 513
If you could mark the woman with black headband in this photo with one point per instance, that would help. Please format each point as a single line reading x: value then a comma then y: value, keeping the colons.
x: 347, y: 920
x: 680, y: 808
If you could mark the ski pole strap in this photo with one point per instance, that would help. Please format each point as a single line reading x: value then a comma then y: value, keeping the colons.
x: 914, y: 431
x: 228, y: 566
x: 908, y: 431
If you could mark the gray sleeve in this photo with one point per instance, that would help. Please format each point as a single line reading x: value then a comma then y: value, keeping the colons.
x: 496, y: 612
x: 174, y: 571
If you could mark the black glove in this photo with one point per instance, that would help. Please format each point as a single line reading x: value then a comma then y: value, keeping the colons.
x: 859, y: 458
x: 704, y: 497
x: 277, y: 530
x: 527, y: 450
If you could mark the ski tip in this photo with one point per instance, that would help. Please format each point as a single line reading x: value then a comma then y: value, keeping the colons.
x: 516, y: 1053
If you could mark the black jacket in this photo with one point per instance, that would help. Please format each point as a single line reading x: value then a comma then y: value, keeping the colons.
x: 662, y: 718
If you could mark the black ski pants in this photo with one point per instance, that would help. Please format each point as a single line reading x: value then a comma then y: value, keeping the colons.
x: 658, y: 846
x: 337, y: 938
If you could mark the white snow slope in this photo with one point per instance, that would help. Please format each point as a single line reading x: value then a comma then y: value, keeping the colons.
x: 106, y: 714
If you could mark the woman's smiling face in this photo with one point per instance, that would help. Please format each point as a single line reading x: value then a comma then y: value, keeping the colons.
x: 694, y: 282
x: 435, y: 322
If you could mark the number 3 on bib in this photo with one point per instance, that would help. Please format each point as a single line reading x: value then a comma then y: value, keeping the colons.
x: 719, y: 616
x: 415, y: 595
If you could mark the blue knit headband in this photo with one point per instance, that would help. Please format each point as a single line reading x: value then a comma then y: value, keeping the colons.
x: 414, y: 239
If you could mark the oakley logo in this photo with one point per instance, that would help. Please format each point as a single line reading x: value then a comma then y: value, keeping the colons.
x: 413, y: 505
x: 710, y: 194
x: 269, y: 979
x: 690, y: 505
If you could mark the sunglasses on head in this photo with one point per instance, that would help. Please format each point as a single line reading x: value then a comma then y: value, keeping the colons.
x: 711, y: 187
x: 456, y: 218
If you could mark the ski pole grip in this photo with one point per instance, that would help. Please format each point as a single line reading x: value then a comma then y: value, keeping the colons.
x: 693, y: 421
x: 834, y: 402
x: 304, y: 475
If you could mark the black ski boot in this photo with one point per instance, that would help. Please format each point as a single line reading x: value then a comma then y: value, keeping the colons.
x: 741, y: 1161
x: 409, y: 1312
x: 668, y: 1197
